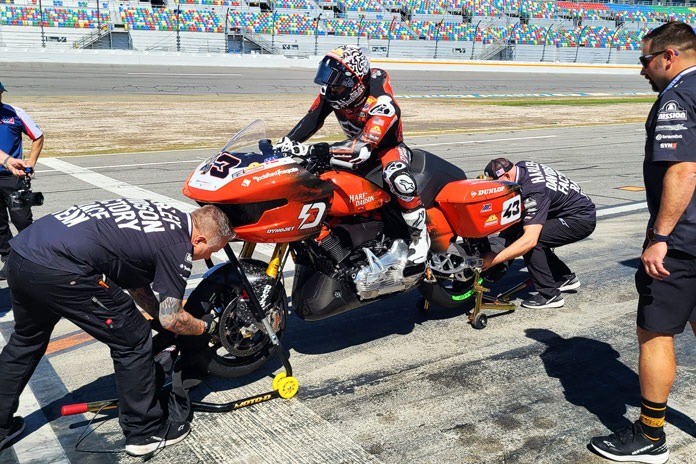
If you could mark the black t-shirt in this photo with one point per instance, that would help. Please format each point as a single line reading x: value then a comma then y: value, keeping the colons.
x: 134, y: 242
x: 671, y: 137
x: 549, y: 194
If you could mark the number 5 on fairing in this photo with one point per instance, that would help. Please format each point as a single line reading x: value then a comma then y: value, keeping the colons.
x: 511, y: 210
x: 313, y: 213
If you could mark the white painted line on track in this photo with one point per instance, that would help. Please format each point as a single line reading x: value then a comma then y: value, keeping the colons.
x: 134, y: 165
x: 137, y: 165
x: 622, y: 209
x: 181, y: 74
x: 466, y: 142
x: 112, y: 185
x: 525, y: 95
x: 42, y: 445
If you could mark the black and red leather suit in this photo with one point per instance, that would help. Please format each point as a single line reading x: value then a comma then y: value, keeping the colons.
x: 374, y: 132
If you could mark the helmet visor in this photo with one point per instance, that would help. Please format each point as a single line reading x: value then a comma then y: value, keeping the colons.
x: 333, y: 75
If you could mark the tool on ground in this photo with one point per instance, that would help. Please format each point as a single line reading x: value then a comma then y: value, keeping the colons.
x: 283, y: 387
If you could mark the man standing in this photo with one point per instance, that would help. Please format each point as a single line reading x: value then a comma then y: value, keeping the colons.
x: 556, y: 212
x: 13, y: 123
x: 74, y: 264
x: 666, y: 281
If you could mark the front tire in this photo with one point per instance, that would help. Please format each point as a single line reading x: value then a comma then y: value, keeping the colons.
x: 238, y: 351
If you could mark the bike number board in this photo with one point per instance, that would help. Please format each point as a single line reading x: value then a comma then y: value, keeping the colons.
x: 512, y: 210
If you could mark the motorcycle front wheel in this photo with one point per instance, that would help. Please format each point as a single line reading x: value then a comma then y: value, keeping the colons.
x: 239, y: 347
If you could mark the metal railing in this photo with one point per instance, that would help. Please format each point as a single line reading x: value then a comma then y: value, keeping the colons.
x: 94, y: 36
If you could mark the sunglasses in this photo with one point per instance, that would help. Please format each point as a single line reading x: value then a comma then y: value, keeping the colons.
x: 646, y: 59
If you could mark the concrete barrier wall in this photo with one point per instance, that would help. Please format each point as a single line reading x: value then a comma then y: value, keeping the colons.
x: 129, y: 57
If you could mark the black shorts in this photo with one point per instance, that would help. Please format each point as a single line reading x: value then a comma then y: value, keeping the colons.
x: 665, y: 306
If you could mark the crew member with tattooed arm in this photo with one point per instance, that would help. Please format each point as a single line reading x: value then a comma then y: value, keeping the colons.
x: 74, y: 264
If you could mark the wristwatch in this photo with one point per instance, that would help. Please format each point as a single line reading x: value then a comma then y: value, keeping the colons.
x: 653, y: 236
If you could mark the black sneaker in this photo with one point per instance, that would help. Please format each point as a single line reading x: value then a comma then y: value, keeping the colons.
x: 15, y: 430
x: 540, y: 302
x: 171, y: 433
x: 631, y: 445
x: 571, y: 283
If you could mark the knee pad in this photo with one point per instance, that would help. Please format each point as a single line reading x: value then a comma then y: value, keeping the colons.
x: 399, y: 179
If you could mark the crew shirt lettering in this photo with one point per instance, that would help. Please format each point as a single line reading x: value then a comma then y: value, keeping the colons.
x: 127, y: 214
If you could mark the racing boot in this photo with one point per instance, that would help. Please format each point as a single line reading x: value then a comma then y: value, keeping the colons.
x: 420, y: 239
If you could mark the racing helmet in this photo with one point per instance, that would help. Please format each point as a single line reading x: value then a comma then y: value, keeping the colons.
x: 343, y: 75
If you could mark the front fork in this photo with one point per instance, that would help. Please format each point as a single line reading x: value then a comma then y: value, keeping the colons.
x: 276, y: 263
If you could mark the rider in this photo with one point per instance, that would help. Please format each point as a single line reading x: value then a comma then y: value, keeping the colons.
x: 364, y: 104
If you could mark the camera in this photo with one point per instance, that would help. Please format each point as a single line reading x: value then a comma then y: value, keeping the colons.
x: 22, y: 196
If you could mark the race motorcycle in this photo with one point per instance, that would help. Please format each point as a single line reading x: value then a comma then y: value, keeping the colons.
x: 345, y: 235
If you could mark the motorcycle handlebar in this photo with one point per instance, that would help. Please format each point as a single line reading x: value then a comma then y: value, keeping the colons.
x: 342, y: 164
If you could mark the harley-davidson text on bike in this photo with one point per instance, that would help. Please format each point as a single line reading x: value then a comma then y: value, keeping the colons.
x: 347, y: 240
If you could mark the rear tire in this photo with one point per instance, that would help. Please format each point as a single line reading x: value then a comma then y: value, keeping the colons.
x: 449, y: 293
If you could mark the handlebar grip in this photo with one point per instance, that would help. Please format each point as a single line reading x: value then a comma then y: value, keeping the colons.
x: 70, y: 409
x: 342, y: 164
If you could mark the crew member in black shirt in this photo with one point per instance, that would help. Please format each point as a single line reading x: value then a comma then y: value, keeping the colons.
x: 666, y: 280
x: 556, y: 212
x: 74, y: 264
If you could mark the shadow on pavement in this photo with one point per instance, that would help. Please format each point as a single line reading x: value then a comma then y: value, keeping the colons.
x: 632, y: 263
x: 592, y: 376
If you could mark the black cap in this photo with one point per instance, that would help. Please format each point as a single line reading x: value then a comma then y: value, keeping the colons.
x: 497, y: 167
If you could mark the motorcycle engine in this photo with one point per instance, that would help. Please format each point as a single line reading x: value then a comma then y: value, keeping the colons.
x: 363, y: 255
x: 384, y: 274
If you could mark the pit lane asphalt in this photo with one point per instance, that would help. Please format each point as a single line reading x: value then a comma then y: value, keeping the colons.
x: 387, y: 382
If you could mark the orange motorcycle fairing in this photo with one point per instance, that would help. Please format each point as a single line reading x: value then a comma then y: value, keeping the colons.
x: 478, y: 208
x: 353, y: 194
x: 439, y: 229
x: 275, y: 201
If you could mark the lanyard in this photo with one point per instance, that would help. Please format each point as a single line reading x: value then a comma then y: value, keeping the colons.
x: 678, y: 77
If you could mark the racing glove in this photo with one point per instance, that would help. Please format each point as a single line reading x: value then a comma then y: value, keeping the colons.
x: 288, y: 147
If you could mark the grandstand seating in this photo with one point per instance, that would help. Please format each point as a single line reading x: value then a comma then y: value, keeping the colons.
x: 293, y: 4
x: 423, y: 6
x: 13, y: 15
x: 529, y: 22
x: 361, y: 6
x: 193, y: 20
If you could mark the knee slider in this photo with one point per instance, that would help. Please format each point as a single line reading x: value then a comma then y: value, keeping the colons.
x: 399, y: 179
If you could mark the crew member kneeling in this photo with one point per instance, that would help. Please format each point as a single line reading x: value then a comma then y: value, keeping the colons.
x: 556, y: 212
x: 74, y: 264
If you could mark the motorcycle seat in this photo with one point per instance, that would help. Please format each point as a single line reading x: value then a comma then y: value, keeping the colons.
x: 430, y: 171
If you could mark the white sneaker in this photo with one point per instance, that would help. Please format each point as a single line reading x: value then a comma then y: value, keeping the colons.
x: 571, y: 283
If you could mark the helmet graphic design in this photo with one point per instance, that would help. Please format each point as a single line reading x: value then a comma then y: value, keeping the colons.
x: 343, y: 75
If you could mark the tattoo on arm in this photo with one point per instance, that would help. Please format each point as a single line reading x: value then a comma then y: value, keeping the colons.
x: 173, y: 317
x: 145, y: 298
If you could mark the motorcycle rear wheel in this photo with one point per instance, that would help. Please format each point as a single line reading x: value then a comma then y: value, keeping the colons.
x: 252, y: 352
x: 448, y: 293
